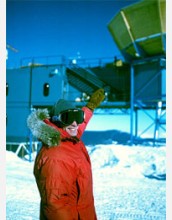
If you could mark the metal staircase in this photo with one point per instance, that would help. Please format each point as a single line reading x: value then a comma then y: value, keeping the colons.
x: 85, y: 80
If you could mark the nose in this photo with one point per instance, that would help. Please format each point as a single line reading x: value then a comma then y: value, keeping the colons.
x: 74, y: 123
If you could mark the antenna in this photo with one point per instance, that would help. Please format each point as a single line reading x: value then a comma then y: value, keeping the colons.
x: 12, y: 48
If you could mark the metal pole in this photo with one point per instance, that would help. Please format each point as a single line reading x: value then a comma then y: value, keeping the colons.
x: 131, y: 103
x: 30, y: 107
x: 136, y: 122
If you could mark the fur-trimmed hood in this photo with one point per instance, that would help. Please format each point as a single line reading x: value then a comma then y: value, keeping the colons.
x: 44, y: 132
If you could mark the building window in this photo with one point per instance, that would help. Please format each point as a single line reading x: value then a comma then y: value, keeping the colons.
x: 7, y: 88
x: 46, y: 89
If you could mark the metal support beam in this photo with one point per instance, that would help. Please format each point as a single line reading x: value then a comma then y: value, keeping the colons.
x: 131, y: 104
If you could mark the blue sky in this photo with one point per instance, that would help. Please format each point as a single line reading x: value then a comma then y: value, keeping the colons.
x: 45, y: 28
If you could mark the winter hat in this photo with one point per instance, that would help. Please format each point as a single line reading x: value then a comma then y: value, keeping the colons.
x: 60, y: 106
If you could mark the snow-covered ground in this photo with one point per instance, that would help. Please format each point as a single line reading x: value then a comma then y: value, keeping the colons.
x: 129, y: 183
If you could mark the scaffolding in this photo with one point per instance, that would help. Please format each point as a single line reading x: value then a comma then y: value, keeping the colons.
x: 155, y: 103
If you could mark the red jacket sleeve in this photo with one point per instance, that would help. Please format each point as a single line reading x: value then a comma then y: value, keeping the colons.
x: 88, y: 116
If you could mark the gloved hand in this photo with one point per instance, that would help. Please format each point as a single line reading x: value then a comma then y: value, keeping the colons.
x: 96, y: 98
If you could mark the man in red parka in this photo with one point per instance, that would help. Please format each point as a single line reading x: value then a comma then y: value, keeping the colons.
x: 62, y: 167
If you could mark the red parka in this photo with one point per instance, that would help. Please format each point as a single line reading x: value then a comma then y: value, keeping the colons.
x: 64, y: 178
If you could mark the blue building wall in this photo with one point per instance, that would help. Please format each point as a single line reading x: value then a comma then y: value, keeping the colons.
x: 150, y: 81
x: 27, y: 88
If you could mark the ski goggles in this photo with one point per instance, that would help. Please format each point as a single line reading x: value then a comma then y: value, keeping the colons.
x: 69, y: 116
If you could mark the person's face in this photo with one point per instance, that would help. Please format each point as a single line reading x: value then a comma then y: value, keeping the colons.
x: 72, y: 129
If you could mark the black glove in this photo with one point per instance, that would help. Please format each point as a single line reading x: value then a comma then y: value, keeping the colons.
x: 96, y: 98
